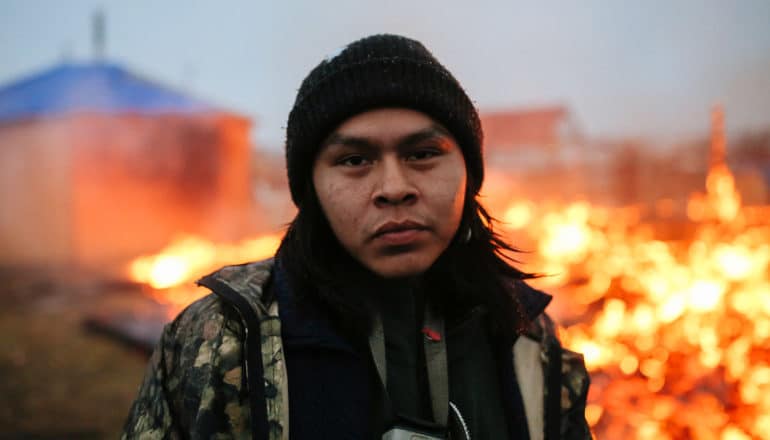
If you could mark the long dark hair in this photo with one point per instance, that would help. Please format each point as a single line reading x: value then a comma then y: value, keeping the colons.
x: 477, y: 268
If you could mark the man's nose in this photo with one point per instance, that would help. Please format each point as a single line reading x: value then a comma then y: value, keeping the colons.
x: 394, y: 186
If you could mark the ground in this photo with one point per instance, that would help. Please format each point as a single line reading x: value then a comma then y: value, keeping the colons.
x: 57, y: 378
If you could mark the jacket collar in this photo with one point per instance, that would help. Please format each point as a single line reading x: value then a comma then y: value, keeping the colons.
x: 308, y: 326
x: 532, y: 300
x: 303, y: 325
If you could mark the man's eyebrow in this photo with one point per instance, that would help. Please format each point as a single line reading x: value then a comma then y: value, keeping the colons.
x: 350, y: 141
x: 434, y: 131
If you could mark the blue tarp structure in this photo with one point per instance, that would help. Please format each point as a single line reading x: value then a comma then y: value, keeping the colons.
x: 94, y: 87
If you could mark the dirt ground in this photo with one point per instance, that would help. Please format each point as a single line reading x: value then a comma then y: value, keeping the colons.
x: 57, y: 378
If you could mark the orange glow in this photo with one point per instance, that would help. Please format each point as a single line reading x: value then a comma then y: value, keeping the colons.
x: 677, y: 337
x: 593, y: 414
x: 518, y: 215
x: 173, y: 269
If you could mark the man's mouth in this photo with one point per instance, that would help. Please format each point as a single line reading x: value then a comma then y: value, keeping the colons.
x: 399, y: 233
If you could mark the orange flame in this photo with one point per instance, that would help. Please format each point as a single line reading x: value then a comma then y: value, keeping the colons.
x: 172, y: 270
x: 676, y: 334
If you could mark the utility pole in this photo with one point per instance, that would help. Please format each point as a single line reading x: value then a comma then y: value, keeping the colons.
x: 718, y: 157
x: 98, y: 34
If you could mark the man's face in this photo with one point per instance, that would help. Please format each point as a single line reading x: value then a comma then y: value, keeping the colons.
x: 392, y: 184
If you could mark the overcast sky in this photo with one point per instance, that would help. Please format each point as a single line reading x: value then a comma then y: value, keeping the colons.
x: 624, y: 68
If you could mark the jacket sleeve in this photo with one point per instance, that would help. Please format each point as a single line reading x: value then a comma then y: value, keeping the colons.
x: 575, y: 383
x: 150, y: 415
x: 193, y: 386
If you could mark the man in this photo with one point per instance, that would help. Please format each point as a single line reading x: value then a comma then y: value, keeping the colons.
x: 390, y: 309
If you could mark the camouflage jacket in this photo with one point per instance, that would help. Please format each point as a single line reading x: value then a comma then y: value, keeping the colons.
x: 197, y: 384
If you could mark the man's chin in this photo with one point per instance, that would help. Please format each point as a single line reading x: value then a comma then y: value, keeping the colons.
x: 400, y: 267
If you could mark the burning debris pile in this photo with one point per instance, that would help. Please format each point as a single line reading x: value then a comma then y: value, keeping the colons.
x: 676, y: 333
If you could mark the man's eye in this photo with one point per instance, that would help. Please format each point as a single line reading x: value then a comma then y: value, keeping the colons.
x: 353, y: 160
x: 422, y: 154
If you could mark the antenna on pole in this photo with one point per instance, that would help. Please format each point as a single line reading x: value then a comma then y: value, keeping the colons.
x: 98, y: 34
x: 718, y: 156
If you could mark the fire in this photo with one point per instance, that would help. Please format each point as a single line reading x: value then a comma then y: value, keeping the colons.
x: 172, y: 271
x: 676, y: 334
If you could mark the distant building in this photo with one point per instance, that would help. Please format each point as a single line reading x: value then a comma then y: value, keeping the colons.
x: 98, y: 164
x: 531, y: 153
x: 529, y: 138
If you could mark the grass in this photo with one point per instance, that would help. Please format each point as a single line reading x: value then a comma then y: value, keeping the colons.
x: 58, y: 380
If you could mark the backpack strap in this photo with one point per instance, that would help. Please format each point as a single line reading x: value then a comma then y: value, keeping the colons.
x: 254, y: 369
x: 434, y: 345
x: 245, y: 289
x: 553, y: 391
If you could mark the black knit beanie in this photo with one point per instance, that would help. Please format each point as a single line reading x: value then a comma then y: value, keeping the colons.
x: 375, y: 72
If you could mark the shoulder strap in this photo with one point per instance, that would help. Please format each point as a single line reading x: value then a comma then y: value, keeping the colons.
x: 377, y: 347
x: 436, y: 361
x: 553, y: 392
x: 252, y: 353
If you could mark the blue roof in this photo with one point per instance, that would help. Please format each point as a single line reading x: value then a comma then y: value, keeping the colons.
x: 97, y: 87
